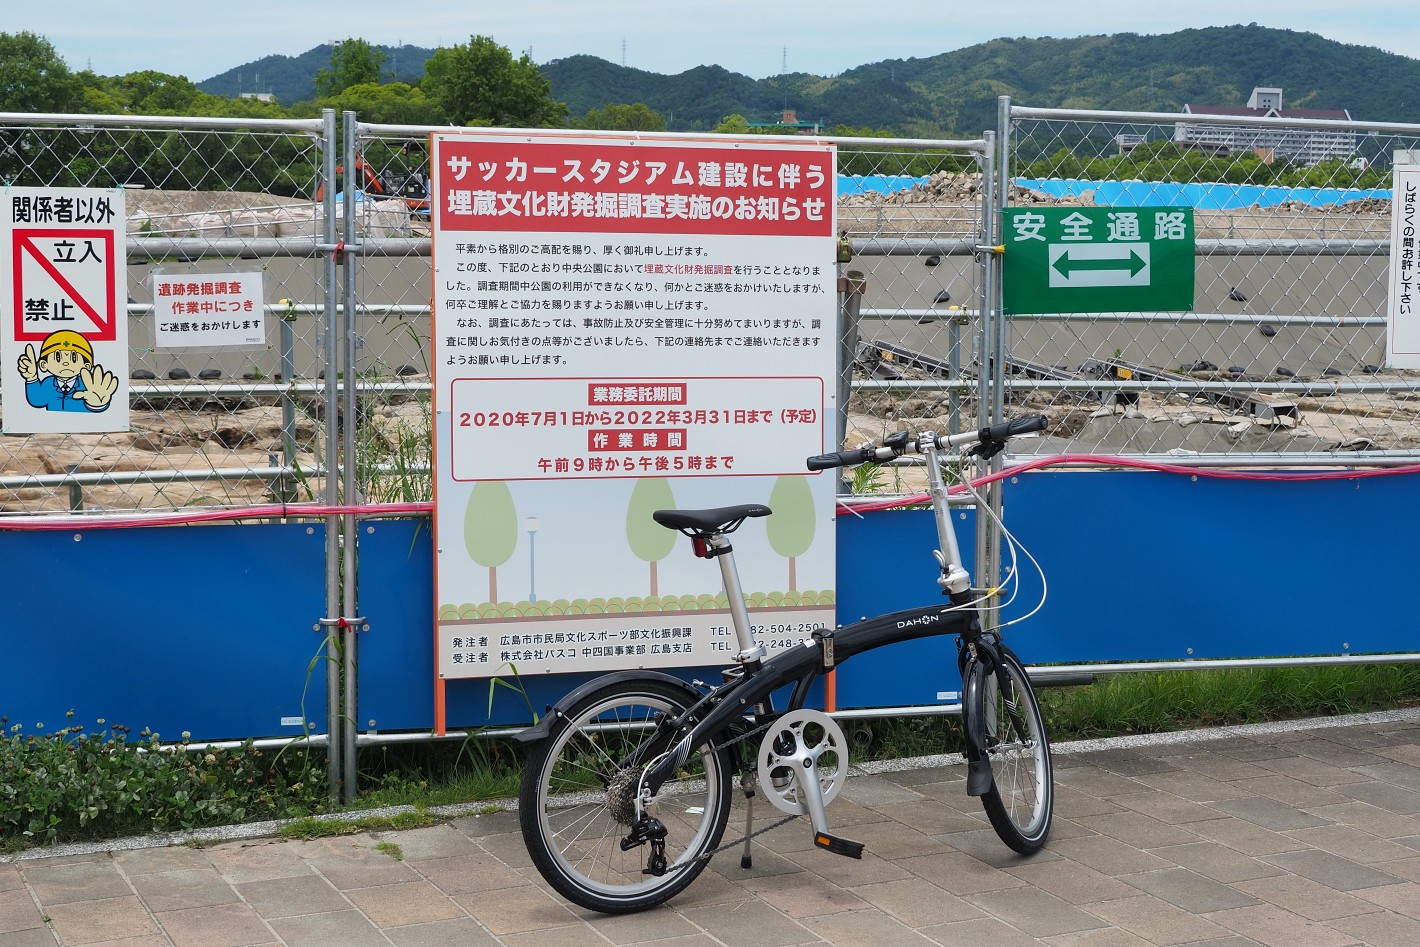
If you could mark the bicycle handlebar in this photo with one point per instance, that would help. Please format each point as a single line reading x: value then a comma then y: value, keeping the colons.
x: 991, y: 439
x: 846, y: 458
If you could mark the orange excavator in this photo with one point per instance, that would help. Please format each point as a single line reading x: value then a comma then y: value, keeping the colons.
x: 412, y: 186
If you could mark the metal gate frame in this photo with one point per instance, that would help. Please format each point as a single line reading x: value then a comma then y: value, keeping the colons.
x: 1120, y: 385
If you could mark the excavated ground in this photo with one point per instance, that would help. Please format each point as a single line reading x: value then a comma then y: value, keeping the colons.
x: 215, y: 434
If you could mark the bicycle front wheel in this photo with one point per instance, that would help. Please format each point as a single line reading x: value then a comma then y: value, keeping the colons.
x: 578, y: 801
x: 1022, y: 795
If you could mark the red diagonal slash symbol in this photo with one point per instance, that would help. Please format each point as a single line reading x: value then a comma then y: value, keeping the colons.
x: 105, y: 326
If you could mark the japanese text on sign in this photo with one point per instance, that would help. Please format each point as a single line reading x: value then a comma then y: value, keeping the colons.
x: 559, y: 428
x: 1119, y: 226
x: 50, y: 209
x: 1403, y: 340
x: 1405, y: 258
x: 202, y: 310
x: 534, y: 185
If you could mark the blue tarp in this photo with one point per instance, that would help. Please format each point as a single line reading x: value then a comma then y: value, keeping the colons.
x: 850, y: 184
x: 1144, y: 193
x: 1200, y: 196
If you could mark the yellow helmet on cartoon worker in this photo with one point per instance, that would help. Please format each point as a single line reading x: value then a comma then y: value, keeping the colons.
x: 67, y: 340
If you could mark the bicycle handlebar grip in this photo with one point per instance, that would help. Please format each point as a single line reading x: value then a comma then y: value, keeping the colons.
x: 1008, y: 429
x: 842, y: 458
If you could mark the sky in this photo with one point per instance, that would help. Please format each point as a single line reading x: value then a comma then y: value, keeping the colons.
x: 757, y: 38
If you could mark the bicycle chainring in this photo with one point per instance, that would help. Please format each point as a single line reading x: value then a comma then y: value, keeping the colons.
x: 796, y: 744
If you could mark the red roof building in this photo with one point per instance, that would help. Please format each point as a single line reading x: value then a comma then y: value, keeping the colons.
x: 1272, y: 139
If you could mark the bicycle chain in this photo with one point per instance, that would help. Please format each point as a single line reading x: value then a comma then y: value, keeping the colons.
x: 715, y: 748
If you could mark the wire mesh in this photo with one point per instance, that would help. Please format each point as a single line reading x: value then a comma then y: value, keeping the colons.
x: 1284, y: 349
x: 209, y: 202
x: 914, y: 215
x: 910, y: 213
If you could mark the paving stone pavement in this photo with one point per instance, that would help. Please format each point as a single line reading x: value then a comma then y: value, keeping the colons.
x: 1298, y: 835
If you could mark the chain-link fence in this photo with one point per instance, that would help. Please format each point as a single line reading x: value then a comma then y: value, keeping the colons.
x: 1280, y: 358
x: 915, y: 215
x: 911, y: 214
x: 218, y: 201
x: 212, y: 206
x: 1283, y: 351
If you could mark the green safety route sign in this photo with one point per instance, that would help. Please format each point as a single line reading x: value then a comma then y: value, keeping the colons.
x: 1097, y: 259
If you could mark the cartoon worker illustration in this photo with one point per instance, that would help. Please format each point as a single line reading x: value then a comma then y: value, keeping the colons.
x: 64, y: 377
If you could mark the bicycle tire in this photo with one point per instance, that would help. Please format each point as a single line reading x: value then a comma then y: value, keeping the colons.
x: 577, y: 797
x: 1021, y: 799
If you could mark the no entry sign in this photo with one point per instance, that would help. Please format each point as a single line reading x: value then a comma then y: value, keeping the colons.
x: 63, y: 311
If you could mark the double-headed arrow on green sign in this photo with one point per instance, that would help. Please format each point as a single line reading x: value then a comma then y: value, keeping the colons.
x: 1068, y: 264
x: 1096, y: 259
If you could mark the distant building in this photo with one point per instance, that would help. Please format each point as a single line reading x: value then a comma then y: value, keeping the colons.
x: 790, y: 119
x: 1306, y: 145
x: 259, y: 96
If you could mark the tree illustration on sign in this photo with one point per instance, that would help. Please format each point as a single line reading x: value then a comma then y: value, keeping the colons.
x: 490, y: 529
x: 791, y: 528
x: 650, y: 541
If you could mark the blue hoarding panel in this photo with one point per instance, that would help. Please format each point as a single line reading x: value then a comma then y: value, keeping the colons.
x: 396, y: 595
x: 205, y: 629
x: 1165, y: 566
x: 1140, y: 566
x: 885, y: 563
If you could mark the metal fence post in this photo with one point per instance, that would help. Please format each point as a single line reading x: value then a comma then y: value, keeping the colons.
x: 330, y: 493
x: 990, y: 352
x: 349, y: 531
x: 850, y: 303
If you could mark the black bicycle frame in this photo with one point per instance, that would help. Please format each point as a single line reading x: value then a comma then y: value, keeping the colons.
x: 717, y: 714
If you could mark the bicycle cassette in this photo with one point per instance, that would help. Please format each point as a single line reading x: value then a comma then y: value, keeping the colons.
x: 802, y: 751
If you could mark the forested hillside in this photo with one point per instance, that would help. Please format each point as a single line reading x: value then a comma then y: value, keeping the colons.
x: 293, y: 78
x: 954, y: 94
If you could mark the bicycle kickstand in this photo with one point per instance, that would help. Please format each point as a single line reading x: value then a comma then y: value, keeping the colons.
x: 747, y: 782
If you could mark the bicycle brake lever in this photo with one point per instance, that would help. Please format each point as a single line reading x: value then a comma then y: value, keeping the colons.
x: 987, y: 449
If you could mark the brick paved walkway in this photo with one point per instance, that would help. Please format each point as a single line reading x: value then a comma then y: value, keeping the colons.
x: 1301, y: 835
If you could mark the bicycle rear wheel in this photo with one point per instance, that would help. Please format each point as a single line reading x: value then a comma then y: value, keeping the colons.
x: 577, y: 802
x: 1022, y: 796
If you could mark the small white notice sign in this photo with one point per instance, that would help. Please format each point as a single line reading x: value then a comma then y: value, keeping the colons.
x: 1403, y: 337
x: 208, y: 309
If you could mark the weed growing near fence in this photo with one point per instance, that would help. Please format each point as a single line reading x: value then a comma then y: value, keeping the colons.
x: 1158, y: 702
x: 67, y: 784
x: 1144, y: 702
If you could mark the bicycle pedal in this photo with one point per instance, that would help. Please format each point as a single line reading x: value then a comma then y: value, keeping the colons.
x: 838, y: 846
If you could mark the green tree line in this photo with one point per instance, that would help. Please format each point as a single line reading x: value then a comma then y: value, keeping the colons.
x: 481, y: 83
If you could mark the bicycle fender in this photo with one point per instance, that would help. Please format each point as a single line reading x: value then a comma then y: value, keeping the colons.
x: 557, y: 711
x: 979, y: 778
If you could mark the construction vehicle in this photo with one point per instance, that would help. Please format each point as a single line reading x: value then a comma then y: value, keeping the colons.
x: 411, y: 185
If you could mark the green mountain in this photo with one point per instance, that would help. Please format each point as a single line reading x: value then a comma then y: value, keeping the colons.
x: 293, y: 78
x: 955, y: 94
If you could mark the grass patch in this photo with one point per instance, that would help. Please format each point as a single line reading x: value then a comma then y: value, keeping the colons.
x: 69, y: 784
x: 1146, y: 702
x: 310, y: 828
x: 1161, y: 702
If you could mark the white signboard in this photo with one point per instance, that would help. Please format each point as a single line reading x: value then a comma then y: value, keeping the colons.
x: 1403, y: 339
x: 64, y: 342
x: 208, y: 309
x: 622, y: 326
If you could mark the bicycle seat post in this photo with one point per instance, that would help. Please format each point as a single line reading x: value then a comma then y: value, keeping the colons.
x: 751, y: 651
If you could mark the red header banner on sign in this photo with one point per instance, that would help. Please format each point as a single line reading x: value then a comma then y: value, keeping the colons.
x: 625, y: 186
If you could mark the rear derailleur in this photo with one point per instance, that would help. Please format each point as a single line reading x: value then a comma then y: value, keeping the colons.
x: 649, y: 829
